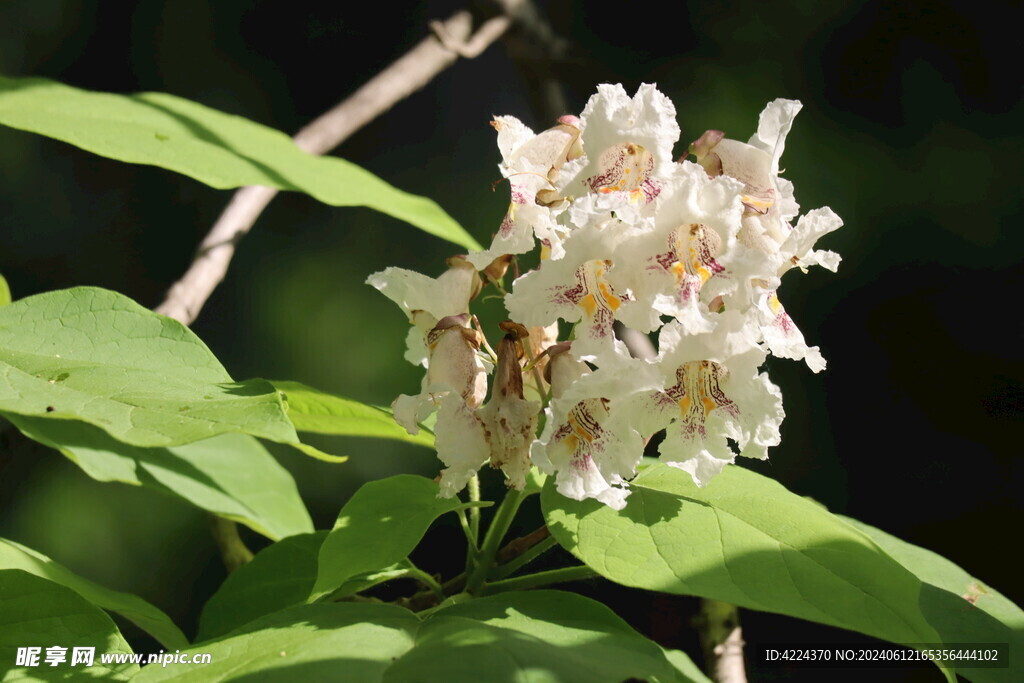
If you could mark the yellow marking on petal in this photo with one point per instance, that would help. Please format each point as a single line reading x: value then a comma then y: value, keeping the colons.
x: 606, y: 293
x: 757, y: 203
x: 578, y: 430
x: 774, y: 304
x: 684, y: 404
x: 678, y: 270
x: 588, y: 304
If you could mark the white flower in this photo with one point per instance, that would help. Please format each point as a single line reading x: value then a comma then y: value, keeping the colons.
x: 628, y: 142
x: 778, y: 331
x: 426, y: 300
x: 575, y: 288
x: 581, y: 445
x: 774, y: 245
x: 680, y: 265
x: 768, y: 198
x: 454, y: 385
x: 532, y: 164
x: 509, y: 420
x: 711, y: 394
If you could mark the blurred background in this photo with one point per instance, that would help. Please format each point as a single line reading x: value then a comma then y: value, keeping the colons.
x: 910, y: 131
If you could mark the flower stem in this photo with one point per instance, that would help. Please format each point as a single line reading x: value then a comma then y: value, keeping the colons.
x: 492, y: 540
x: 474, y: 512
x: 232, y: 549
x: 542, y: 579
x: 426, y: 579
x: 514, y: 565
x: 545, y: 396
x: 464, y: 523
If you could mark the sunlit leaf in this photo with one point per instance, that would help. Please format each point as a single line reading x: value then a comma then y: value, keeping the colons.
x: 231, y: 475
x: 96, y: 356
x: 215, y: 148
x: 536, y: 636
x: 743, y: 539
x: 131, y: 607
x: 379, y: 526
x: 281, y: 575
x: 41, y: 613
x: 960, y: 607
x: 312, y: 410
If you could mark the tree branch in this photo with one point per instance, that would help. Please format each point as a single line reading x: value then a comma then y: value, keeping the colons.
x: 722, y: 641
x: 452, y: 38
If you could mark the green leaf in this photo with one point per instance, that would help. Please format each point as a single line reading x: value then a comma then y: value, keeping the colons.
x: 312, y: 410
x: 281, y: 575
x: 5, y: 292
x: 131, y: 607
x: 379, y: 526
x: 530, y: 636
x: 322, y: 642
x: 215, y: 148
x: 960, y: 607
x: 41, y: 613
x: 743, y: 539
x: 684, y: 667
x: 231, y: 475
x: 96, y: 356
x: 538, y: 636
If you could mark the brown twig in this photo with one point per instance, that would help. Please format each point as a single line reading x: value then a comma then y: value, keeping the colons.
x: 409, y: 73
x: 520, y: 545
x: 722, y: 641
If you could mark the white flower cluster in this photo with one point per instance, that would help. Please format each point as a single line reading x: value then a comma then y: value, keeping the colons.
x: 694, y: 251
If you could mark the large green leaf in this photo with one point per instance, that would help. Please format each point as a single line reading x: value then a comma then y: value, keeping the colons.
x: 746, y: 540
x: 231, y: 475
x: 312, y: 410
x: 960, y: 607
x: 684, y: 667
x: 43, y: 614
x: 322, y: 642
x: 281, y: 575
x: 379, y: 526
x: 131, y: 607
x: 531, y: 636
x: 5, y: 292
x: 215, y: 148
x: 96, y: 356
x: 538, y: 637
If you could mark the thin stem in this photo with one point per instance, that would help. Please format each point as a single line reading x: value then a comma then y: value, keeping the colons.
x: 514, y: 565
x: 492, y: 541
x: 232, y: 549
x: 498, y: 284
x: 532, y: 364
x: 426, y: 579
x: 483, y: 341
x: 474, y: 512
x: 542, y: 579
x: 464, y: 523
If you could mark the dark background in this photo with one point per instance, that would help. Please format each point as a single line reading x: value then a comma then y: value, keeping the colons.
x: 910, y: 131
